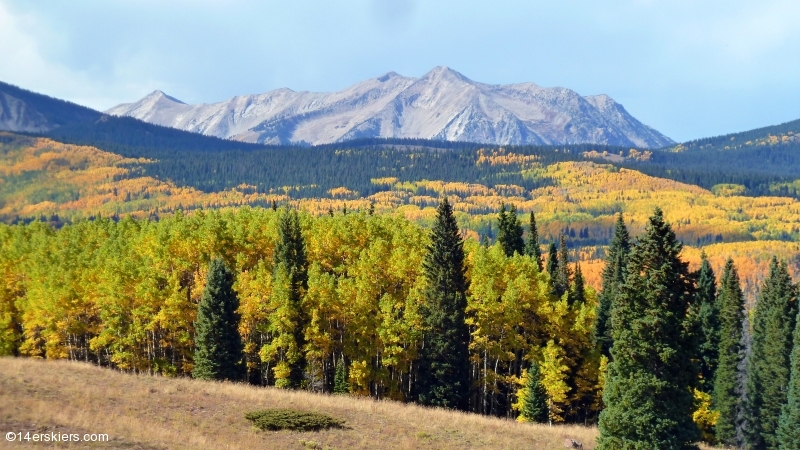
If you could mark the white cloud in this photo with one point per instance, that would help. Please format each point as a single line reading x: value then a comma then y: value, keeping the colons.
x: 27, y: 48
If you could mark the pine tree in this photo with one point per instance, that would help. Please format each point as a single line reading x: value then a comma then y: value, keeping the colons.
x: 725, y: 398
x: 768, y: 381
x: 340, y: 383
x: 708, y: 320
x: 219, y: 352
x: 509, y: 233
x: 613, y: 277
x: 649, y: 386
x: 290, y: 257
x: 532, y: 248
x: 789, y: 423
x: 443, y: 365
x: 534, y: 402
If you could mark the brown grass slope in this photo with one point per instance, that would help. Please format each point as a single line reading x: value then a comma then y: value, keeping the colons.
x: 145, y: 412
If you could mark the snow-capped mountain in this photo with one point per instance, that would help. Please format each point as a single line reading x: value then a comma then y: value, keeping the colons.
x: 442, y: 104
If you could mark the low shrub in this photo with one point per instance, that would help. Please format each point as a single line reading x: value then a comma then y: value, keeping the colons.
x: 290, y: 419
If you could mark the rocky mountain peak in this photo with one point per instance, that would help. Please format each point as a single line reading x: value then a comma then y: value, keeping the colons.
x: 158, y: 95
x: 441, y: 104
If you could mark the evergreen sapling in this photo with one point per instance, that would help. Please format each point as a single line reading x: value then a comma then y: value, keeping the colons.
x: 534, y: 399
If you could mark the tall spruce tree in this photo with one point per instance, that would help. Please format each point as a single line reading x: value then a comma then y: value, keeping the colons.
x: 726, y: 398
x: 648, y: 392
x: 532, y: 248
x: 709, y: 322
x: 789, y: 423
x: 768, y: 381
x: 502, y: 225
x: 613, y: 277
x: 741, y: 383
x: 534, y: 402
x: 290, y: 256
x: 563, y: 273
x: 552, y: 261
x: 577, y: 290
x: 219, y: 352
x: 443, y: 365
x: 509, y: 231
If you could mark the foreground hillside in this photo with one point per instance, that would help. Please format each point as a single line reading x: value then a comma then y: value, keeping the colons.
x: 145, y: 412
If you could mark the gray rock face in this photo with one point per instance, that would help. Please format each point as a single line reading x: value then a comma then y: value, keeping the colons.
x: 442, y: 104
x: 16, y: 115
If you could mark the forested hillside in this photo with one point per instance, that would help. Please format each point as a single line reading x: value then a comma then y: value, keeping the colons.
x: 58, y: 183
x: 765, y: 136
x: 343, y: 303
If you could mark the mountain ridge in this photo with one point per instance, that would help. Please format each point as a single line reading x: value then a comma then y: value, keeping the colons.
x: 442, y: 104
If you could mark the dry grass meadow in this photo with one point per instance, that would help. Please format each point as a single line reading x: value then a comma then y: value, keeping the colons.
x: 146, y: 412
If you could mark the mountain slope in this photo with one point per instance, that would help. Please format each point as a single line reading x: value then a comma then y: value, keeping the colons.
x: 23, y: 111
x: 442, y: 104
x: 29, y: 112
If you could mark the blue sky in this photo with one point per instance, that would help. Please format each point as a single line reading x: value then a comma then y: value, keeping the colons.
x: 689, y: 68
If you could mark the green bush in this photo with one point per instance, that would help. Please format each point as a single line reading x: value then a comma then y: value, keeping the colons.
x: 289, y: 419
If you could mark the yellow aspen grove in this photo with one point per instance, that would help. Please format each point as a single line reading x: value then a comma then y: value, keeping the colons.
x: 254, y: 287
x: 505, y: 295
x: 283, y: 350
